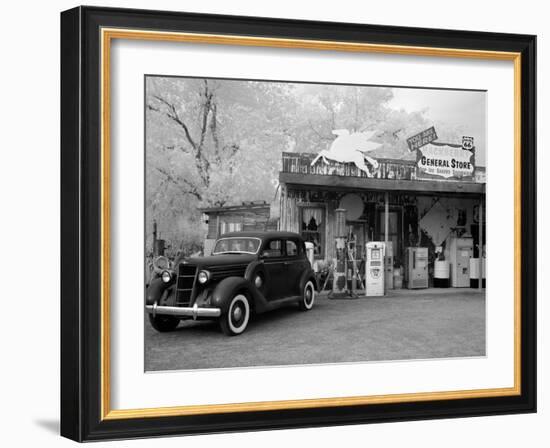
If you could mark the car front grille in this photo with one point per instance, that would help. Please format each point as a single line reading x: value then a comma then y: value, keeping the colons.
x: 185, y: 284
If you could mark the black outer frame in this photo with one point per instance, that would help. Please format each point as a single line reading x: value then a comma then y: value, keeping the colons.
x: 80, y: 223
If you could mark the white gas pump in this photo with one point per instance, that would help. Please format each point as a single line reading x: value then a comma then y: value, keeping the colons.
x: 460, y: 252
x: 374, y: 269
x: 310, y: 250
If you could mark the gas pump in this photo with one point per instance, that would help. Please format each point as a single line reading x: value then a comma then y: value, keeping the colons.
x: 310, y: 250
x: 374, y: 270
x: 460, y: 252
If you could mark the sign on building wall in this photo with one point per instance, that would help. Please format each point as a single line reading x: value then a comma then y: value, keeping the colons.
x: 421, y: 139
x: 444, y: 161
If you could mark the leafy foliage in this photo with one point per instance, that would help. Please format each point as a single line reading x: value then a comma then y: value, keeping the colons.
x: 213, y: 142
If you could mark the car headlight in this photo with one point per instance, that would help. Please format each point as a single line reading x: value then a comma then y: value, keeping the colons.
x: 203, y: 277
x: 166, y: 276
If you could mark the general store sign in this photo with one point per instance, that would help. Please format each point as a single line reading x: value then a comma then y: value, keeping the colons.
x: 448, y: 162
x: 423, y: 138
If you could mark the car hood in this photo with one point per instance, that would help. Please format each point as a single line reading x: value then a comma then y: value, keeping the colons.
x: 219, y: 260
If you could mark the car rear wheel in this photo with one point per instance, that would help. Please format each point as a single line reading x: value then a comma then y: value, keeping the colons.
x: 164, y: 324
x: 235, y: 321
x: 308, y: 296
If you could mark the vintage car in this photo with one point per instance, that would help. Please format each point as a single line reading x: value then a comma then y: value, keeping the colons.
x: 248, y: 273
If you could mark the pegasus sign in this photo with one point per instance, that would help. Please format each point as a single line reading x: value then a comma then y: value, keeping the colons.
x: 351, y: 148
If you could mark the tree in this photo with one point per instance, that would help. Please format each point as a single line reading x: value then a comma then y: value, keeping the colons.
x: 211, y: 143
x: 324, y: 108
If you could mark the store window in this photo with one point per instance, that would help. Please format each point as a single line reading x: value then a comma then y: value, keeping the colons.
x: 227, y: 226
x: 313, y: 229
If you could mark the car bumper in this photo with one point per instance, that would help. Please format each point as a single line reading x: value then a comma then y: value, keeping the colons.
x: 183, y: 311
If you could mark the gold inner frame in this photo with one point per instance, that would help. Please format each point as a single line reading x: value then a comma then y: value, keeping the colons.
x: 107, y: 35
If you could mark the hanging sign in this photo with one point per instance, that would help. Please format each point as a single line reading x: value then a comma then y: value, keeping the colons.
x: 423, y: 138
x: 444, y: 161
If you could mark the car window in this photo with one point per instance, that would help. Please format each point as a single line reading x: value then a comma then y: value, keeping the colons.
x: 236, y: 245
x: 273, y: 249
x: 291, y: 248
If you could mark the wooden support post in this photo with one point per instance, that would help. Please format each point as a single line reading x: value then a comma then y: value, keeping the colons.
x: 386, y: 225
x: 282, y: 208
x: 386, y: 216
x: 480, y: 250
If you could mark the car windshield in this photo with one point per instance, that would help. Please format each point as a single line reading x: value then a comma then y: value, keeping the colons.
x: 237, y: 245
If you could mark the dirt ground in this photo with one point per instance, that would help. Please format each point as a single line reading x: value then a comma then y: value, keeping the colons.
x: 419, y: 324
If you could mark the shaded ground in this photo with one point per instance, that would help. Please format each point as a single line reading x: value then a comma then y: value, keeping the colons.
x: 434, y: 323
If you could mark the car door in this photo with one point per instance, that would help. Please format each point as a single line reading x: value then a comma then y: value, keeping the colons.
x: 274, y: 264
x: 295, y: 263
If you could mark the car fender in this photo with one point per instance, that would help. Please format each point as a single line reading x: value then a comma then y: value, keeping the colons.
x: 307, y: 275
x: 226, y: 290
x: 155, y: 290
x: 253, y: 267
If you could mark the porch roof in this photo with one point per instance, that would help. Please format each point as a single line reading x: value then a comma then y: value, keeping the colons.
x: 363, y: 183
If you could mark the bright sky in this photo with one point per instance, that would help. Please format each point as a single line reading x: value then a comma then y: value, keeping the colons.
x: 462, y: 108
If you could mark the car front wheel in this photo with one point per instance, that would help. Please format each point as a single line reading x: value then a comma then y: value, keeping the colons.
x: 308, y: 296
x: 235, y: 321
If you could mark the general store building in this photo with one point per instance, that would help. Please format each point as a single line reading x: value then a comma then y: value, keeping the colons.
x: 402, y: 203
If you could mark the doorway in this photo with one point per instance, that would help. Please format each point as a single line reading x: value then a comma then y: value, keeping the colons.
x: 357, y: 234
x: 395, y: 229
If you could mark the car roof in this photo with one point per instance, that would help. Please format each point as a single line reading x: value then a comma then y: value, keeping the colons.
x: 262, y: 235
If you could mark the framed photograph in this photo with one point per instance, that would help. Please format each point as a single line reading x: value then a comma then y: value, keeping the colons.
x: 277, y: 224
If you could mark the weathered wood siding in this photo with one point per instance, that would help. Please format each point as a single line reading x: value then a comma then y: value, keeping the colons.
x: 256, y: 219
x: 212, y: 227
x: 398, y: 169
x: 331, y: 229
x: 290, y: 213
x: 389, y: 169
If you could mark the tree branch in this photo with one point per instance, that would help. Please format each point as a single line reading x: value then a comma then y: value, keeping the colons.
x: 201, y: 162
x: 173, y: 115
x: 205, y: 113
x: 321, y: 136
x: 214, y: 129
x: 192, y: 189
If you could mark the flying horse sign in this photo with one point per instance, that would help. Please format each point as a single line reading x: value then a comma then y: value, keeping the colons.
x: 351, y: 148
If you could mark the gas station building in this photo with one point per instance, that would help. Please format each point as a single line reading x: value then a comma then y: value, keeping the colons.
x: 408, y: 203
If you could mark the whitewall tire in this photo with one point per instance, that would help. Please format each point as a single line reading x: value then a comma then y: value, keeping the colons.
x: 235, y: 321
x: 308, y: 296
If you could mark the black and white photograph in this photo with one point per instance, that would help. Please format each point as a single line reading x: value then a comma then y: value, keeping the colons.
x: 275, y: 224
x: 293, y: 223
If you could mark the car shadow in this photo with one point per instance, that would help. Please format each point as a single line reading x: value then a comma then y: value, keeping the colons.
x: 199, y: 326
x: 276, y: 317
x: 206, y: 327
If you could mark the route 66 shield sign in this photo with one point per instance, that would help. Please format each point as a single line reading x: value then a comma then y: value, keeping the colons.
x: 467, y: 143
